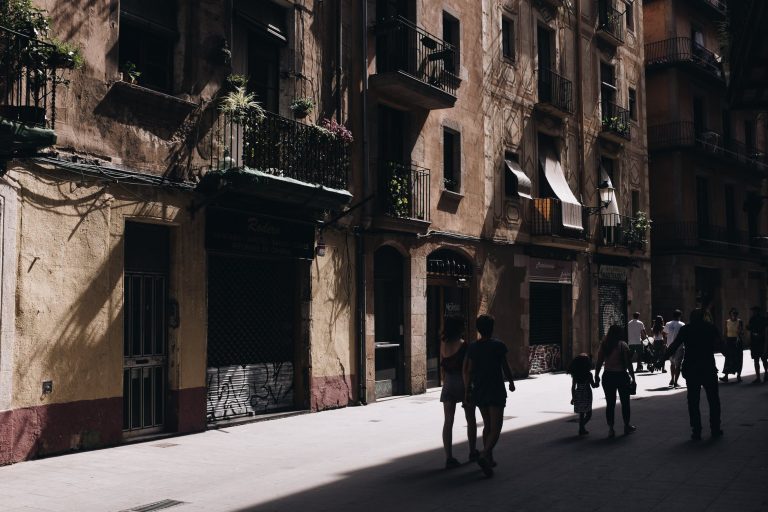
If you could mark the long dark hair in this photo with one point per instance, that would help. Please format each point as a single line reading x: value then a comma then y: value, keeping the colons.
x: 658, y: 324
x: 453, y: 327
x: 580, y: 368
x: 612, y: 339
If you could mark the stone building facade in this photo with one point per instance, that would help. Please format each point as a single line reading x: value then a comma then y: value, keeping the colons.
x: 159, y: 269
x: 175, y: 258
x: 708, y: 166
x: 506, y: 118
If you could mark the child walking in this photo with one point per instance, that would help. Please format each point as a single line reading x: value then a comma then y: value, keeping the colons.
x: 581, y: 389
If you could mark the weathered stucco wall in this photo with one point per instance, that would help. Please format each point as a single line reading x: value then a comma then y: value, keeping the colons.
x: 333, y: 348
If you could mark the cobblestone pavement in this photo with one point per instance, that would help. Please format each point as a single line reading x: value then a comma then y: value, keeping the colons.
x: 387, y: 456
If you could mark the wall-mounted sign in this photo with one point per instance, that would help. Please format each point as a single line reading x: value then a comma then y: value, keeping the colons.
x: 550, y: 271
x: 255, y: 235
x: 612, y: 273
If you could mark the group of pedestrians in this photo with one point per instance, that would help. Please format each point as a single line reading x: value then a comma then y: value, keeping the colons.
x: 474, y: 374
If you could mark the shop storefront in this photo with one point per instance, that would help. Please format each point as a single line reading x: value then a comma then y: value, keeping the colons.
x: 256, y: 267
x: 612, y: 297
x: 549, y: 318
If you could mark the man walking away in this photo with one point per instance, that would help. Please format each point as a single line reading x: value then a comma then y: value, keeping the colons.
x: 484, y: 380
x: 756, y: 328
x: 701, y: 340
x: 636, y: 334
x: 671, y: 329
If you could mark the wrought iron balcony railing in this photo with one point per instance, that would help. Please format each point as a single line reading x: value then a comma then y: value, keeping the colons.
x: 547, y: 219
x: 27, y: 80
x: 683, y: 50
x: 709, y: 238
x: 280, y: 147
x: 684, y: 134
x: 403, y: 190
x: 620, y: 231
x: 402, y: 46
x: 609, y: 20
x: 718, y: 5
x: 555, y: 90
x: 615, y: 120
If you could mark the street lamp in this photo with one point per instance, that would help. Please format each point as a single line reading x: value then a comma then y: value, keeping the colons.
x: 606, y: 197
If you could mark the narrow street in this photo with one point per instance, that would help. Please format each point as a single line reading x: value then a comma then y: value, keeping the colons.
x: 387, y: 456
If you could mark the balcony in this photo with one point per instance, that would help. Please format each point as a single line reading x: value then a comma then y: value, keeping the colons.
x: 27, y: 95
x: 555, y: 93
x: 691, y: 236
x: 681, y: 135
x: 615, y: 124
x: 717, y: 7
x: 275, y: 157
x: 620, y: 231
x: 413, y: 68
x: 686, y: 52
x: 403, y: 195
x: 610, y: 27
x: 547, y: 220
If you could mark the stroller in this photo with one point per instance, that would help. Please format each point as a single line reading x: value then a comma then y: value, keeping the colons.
x: 653, y: 352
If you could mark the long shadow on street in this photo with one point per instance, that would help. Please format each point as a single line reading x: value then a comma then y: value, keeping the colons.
x: 548, y: 467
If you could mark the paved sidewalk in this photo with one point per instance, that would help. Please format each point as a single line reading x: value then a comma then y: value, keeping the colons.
x: 388, y: 456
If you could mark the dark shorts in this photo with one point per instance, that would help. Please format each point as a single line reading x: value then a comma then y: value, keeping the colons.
x: 489, y: 398
x: 453, y: 388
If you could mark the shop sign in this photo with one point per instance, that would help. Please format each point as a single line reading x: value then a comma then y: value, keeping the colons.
x: 256, y: 235
x: 550, y: 271
x: 612, y: 273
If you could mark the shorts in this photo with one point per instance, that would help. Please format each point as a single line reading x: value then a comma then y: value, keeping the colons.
x: 489, y: 398
x: 453, y: 388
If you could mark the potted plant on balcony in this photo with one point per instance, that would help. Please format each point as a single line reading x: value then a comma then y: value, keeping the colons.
x: 63, y: 55
x: 616, y: 124
x: 302, y: 107
x: 130, y: 74
x: 636, y: 234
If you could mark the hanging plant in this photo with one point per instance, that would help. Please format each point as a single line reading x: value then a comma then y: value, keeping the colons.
x: 302, y: 107
x: 241, y: 107
x: 339, y: 131
x: 636, y: 234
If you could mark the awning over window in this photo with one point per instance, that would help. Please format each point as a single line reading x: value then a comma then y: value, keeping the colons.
x: 523, y: 182
x: 571, y: 207
x: 611, y: 213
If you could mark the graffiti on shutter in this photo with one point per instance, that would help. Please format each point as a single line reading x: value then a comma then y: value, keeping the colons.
x: 613, y: 305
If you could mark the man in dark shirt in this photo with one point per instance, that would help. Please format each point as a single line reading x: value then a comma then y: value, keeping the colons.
x: 756, y: 328
x: 701, y: 340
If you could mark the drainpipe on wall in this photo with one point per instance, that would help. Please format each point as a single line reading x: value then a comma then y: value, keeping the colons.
x: 360, y: 263
x: 580, y: 118
x: 338, y: 61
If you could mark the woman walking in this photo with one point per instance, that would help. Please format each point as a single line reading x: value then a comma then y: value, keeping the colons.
x: 619, y: 377
x: 453, y: 350
x: 734, y: 351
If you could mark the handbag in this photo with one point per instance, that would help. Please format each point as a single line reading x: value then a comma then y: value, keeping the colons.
x: 632, y: 384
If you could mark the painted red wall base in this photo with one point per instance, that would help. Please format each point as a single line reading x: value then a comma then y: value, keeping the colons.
x: 188, y: 407
x: 48, y: 429
x: 57, y: 428
x: 331, y: 392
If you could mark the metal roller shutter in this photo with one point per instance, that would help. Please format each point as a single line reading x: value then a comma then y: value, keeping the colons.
x: 546, y: 317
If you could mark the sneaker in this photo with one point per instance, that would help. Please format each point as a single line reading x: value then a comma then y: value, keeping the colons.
x: 696, y: 436
x: 474, y: 455
x: 628, y: 429
x: 451, y: 463
x: 485, y: 466
x: 583, y: 431
x: 671, y: 383
x: 611, y: 432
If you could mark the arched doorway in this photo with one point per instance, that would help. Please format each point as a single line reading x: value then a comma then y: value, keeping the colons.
x: 449, y: 276
x: 388, y: 310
